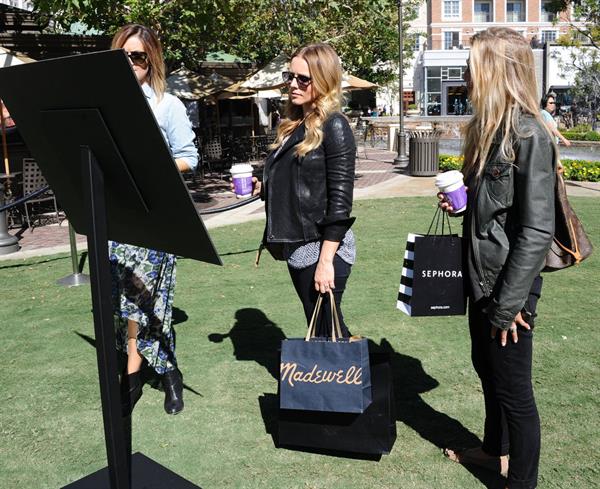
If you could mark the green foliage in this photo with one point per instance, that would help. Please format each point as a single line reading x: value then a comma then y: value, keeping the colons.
x: 581, y: 170
x: 585, y: 21
x: 450, y: 162
x: 581, y: 136
x: 186, y: 27
x: 364, y: 32
x: 578, y: 170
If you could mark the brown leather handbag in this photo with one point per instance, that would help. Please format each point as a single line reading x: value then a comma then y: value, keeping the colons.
x: 570, y: 244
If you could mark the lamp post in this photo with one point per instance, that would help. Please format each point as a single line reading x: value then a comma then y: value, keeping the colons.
x: 401, y: 159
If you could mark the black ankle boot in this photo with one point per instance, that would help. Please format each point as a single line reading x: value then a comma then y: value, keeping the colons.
x: 173, y: 385
x: 131, y: 391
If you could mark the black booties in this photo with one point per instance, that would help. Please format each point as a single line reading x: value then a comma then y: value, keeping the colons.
x: 173, y: 385
x: 131, y: 391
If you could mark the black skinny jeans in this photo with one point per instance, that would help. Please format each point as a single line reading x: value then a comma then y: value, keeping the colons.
x: 512, y: 423
x: 304, y: 283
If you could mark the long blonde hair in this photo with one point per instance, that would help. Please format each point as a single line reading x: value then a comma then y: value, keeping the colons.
x: 326, y: 75
x: 156, y: 74
x: 503, y: 87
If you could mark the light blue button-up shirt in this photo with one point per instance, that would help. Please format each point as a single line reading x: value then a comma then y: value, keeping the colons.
x: 175, y: 125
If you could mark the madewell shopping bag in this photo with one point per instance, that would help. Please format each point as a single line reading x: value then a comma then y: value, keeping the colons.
x: 432, y: 280
x: 325, y: 374
x: 371, y: 432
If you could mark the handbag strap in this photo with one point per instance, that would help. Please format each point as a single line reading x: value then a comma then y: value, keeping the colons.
x: 562, y: 191
x: 336, y: 330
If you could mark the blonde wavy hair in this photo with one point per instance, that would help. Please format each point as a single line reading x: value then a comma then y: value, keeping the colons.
x: 156, y: 77
x: 326, y: 75
x: 503, y: 87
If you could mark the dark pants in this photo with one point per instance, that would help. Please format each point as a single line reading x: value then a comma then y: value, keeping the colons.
x: 512, y: 423
x: 304, y: 282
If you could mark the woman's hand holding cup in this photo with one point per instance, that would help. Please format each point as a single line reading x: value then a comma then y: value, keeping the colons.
x: 452, y: 192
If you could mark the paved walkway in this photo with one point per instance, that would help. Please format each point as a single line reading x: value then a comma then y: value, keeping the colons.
x: 376, y: 177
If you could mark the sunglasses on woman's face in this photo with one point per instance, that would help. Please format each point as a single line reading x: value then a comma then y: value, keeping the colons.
x: 302, y: 80
x: 139, y: 58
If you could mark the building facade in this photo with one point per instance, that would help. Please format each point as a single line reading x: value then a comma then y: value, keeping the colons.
x: 22, y: 4
x: 451, y: 23
x: 443, y: 53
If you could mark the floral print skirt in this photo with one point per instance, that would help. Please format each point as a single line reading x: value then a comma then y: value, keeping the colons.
x: 143, y: 284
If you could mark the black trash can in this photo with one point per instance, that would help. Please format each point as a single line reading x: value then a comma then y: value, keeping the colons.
x: 424, y: 152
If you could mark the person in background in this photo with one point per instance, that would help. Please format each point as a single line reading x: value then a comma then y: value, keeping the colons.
x: 510, y: 172
x: 308, y: 183
x: 144, y: 279
x: 548, y: 104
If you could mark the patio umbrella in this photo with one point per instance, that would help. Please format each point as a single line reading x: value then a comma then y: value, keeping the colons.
x: 8, y: 58
x: 269, y: 76
x: 192, y: 86
x: 351, y: 82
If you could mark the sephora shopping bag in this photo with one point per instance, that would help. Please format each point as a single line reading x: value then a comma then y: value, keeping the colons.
x: 325, y: 374
x: 432, y: 281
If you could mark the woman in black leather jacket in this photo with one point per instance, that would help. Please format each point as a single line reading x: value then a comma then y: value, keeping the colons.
x: 308, y: 182
x: 510, y: 171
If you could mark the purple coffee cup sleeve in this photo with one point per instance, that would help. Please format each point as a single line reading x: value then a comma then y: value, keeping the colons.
x: 242, y: 185
x: 457, y: 198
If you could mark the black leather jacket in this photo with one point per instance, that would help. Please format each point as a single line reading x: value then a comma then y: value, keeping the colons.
x: 510, y: 222
x: 310, y: 198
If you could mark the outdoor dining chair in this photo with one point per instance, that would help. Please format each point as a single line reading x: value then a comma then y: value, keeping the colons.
x: 34, y: 180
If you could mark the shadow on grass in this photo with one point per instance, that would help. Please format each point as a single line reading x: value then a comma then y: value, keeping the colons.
x: 82, y: 261
x: 256, y: 338
x: 33, y: 264
x: 149, y: 376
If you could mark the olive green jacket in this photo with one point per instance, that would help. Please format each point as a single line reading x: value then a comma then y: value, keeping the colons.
x: 511, y: 221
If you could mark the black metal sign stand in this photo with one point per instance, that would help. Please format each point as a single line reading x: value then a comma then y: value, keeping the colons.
x: 102, y: 152
x: 123, y: 471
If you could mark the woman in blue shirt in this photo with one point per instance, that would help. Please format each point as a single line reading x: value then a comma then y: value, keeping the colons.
x: 144, y: 279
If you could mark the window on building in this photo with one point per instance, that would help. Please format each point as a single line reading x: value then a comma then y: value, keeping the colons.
x: 548, y: 36
x: 417, y: 42
x: 451, y: 39
x: 515, y: 11
x: 435, y: 76
x: 451, y: 9
x: 483, y: 11
x: 546, y: 15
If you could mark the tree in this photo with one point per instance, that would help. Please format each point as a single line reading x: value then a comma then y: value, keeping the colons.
x: 584, y: 21
x: 586, y: 91
x: 364, y: 32
x: 584, y: 64
x: 186, y: 27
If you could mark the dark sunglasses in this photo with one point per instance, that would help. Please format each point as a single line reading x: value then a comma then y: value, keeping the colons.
x: 138, y: 57
x: 303, y: 80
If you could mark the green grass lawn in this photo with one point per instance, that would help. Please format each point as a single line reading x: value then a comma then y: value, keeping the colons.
x: 50, y: 420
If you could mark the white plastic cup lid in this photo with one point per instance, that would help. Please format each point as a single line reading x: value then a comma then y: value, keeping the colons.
x: 448, y: 179
x: 241, y: 168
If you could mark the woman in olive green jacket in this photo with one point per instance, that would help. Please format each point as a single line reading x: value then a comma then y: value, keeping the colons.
x: 510, y: 171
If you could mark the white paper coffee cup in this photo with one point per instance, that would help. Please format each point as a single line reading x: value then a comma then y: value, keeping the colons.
x: 241, y: 176
x: 451, y: 184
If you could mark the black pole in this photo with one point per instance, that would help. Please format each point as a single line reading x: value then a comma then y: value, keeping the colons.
x: 401, y: 159
x: 8, y: 242
x: 76, y: 278
x: 116, y: 447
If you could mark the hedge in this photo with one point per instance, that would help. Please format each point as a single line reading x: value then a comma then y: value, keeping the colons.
x: 578, y: 170
x: 581, y: 136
